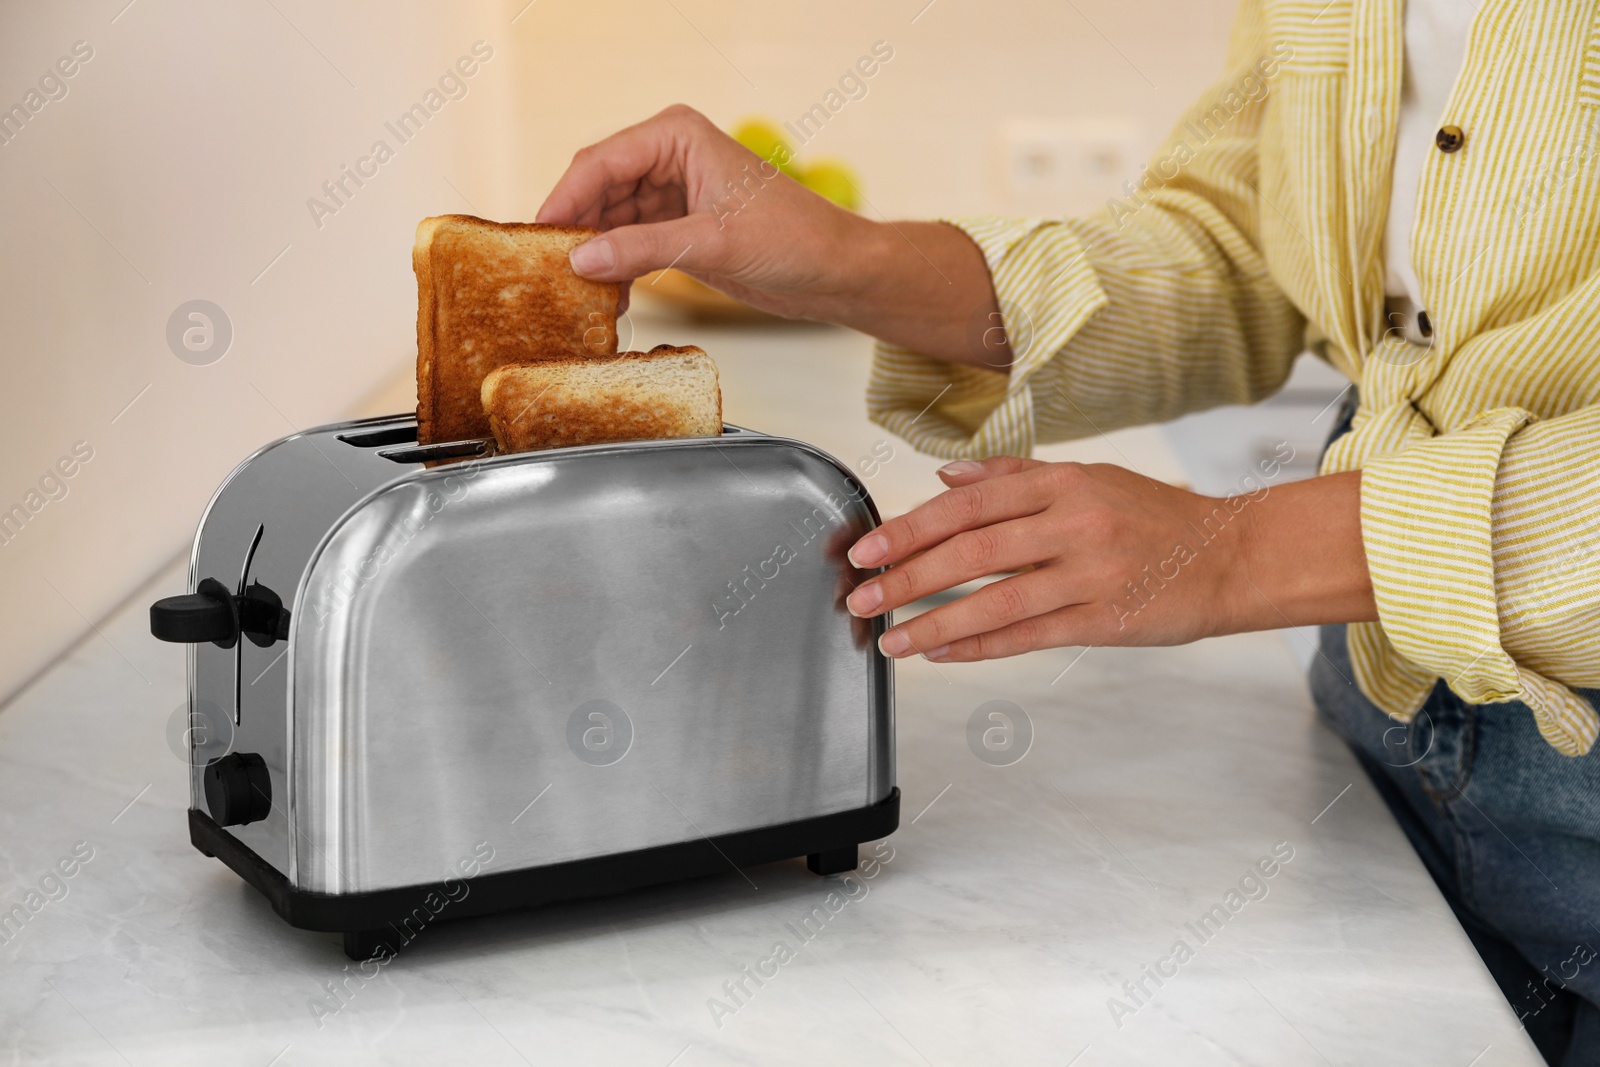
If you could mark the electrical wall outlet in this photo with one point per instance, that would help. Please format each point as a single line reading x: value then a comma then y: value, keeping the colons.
x: 1066, y: 166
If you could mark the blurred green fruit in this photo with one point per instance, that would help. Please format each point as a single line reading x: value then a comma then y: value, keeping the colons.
x: 834, y: 180
x: 765, y: 140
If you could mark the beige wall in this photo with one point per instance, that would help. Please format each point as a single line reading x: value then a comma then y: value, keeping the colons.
x: 924, y: 139
x: 179, y: 163
x: 178, y: 167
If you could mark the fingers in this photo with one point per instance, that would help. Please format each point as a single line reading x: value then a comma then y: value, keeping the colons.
x: 1012, y: 602
x: 1013, y: 616
x: 981, y: 502
x: 967, y: 471
x: 584, y: 192
x: 1062, y: 628
x: 628, y: 252
x: 607, y: 172
x: 972, y: 554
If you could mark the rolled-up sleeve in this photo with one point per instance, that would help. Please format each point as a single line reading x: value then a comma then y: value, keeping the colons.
x: 1484, y: 550
x: 1158, y: 305
x: 1047, y: 290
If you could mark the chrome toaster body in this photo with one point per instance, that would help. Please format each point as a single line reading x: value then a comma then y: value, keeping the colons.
x: 566, y: 655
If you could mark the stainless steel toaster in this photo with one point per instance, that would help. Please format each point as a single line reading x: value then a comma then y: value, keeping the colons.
x: 426, y: 682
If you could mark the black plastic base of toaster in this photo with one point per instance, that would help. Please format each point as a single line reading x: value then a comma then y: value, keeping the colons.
x: 390, y: 917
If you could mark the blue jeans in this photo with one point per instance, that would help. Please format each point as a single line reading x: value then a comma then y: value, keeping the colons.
x: 1510, y: 830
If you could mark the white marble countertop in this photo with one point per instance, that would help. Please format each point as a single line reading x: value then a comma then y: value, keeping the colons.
x: 998, y: 925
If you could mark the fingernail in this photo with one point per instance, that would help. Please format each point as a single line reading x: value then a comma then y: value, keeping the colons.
x: 937, y: 653
x: 869, y: 550
x: 960, y: 467
x: 865, y: 600
x: 894, y: 643
x: 596, y: 256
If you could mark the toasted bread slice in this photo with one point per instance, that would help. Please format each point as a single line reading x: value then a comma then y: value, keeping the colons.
x: 554, y: 403
x: 492, y: 293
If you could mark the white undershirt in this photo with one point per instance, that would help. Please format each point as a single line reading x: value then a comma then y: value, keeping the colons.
x: 1435, y: 44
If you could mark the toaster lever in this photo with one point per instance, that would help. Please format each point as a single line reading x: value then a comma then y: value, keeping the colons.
x: 216, y: 615
x: 208, y: 614
x: 262, y: 616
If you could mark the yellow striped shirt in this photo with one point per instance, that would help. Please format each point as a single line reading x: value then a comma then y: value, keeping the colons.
x: 1257, y: 231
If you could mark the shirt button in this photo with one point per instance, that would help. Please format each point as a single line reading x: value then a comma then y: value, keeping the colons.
x: 1450, y: 139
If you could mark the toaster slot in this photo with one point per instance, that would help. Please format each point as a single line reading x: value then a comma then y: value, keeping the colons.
x: 430, y: 453
x: 394, y: 435
x: 238, y: 648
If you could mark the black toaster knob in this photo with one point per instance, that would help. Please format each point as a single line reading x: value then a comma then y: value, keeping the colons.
x: 238, y: 789
x: 209, y: 614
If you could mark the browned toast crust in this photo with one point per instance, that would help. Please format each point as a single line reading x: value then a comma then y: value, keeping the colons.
x: 492, y: 293
x: 567, y: 401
